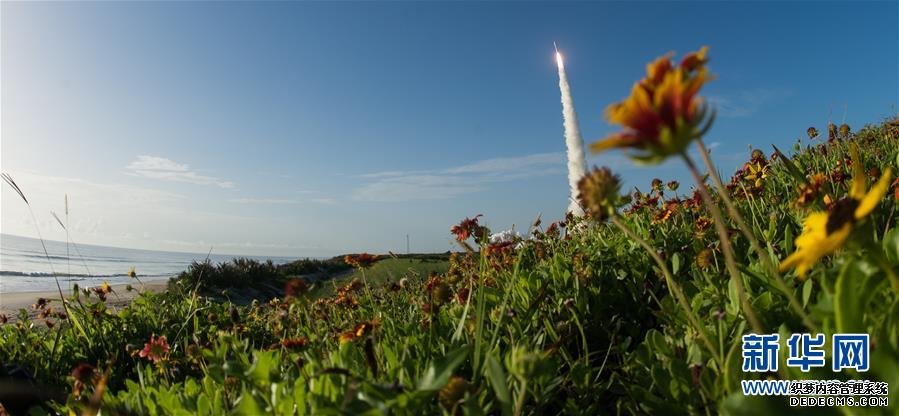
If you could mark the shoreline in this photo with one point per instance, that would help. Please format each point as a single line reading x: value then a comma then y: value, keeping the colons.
x: 12, y: 302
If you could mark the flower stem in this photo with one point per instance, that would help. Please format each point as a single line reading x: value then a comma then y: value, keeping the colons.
x: 729, y: 261
x: 884, y: 264
x: 522, y: 396
x: 672, y: 286
x: 753, y: 241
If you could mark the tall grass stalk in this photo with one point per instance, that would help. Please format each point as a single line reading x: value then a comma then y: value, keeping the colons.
x: 726, y: 248
x: 753, y: 241
x: 672, y: 286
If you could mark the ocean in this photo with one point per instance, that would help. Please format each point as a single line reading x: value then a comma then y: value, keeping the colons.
x: 24, y: 266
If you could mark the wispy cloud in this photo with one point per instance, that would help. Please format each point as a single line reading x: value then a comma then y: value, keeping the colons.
x: 746, y: 103
x: 283, y: 201
x: 166, y: 169
x: 95, y: 207
x: 265, y: 201
x: 505, y: 165
x: 234, y: 246
x: 397, y: 186
x: 415, y: 187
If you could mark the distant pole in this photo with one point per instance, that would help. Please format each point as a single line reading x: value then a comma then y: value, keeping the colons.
x: 407, y: 244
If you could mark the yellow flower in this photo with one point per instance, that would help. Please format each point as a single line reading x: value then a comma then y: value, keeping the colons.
x: 132, y: 273
x: 757, y: 172
x: 106, y: 287
x: 663, y: 113
x: 826, y: 232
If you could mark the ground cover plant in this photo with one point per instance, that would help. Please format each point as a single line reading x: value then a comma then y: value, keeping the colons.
x: 637, y: 308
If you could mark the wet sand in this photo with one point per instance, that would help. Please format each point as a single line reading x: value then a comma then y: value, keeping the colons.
x: 11, y: 303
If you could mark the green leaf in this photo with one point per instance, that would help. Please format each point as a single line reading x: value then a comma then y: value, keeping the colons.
x: 891, y: 245
x: 694, y: 354
x: 204, y: 407
x: 732, y: 367
x: 787, y: 243
x: 795, y: 172
x: 248, y: 405
x: 439, y: 372
x: 299, y: 395
x: 675, y: 263
x: 852, y: 293
x: 261, y: 370
x: 657, y: 343
x: 497, y: 378
x: 806, y: 292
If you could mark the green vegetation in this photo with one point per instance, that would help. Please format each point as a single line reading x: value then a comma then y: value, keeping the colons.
x: 638, y: 308
x: 261, y: 279
x: 388, y: 271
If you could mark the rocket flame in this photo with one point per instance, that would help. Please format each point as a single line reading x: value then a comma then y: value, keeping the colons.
x: 559, y: 60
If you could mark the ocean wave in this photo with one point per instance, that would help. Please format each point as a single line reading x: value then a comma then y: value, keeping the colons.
x: 73, y: 275
x: 42, y: 256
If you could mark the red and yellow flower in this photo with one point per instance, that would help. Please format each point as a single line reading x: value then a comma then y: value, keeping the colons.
x: 156, y: 350
x: 361, y: 261
x: 663, y: 114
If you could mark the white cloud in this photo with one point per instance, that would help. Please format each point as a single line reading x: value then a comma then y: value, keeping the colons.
x: 397, y: 186
x: 166, y: 169
x: 746, y: 103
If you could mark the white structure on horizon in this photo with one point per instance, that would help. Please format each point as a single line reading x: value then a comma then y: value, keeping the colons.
x: 577, y: 164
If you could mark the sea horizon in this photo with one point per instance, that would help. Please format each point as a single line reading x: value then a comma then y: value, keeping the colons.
x: 26, y: 267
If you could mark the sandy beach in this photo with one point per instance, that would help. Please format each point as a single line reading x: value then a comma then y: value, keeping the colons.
x: 11, y: 303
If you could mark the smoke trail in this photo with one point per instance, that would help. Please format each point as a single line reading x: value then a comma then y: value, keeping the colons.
x: 577, y: 165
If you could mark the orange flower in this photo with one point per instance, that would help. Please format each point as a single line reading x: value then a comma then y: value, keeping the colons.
x: 663, y: 113
x: 703, y: 224
x: 348, y: 336
x: 361, y: 330
x: 361, y: 261
x: 809, y: 191
x: 294, y: 343
x: 668, y: 209
x: 467, y: 228
x: 295, y: 288
x: 156, y: 349
x: 366, y: 327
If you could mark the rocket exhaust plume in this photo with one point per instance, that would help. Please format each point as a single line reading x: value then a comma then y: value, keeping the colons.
x: 577, y: 164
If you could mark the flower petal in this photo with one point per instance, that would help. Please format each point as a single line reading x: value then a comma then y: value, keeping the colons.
x: 873, y: 197
x: 795, y: 260
x: 814, y: 243
x: 696, y: 59
x: 615, y: 140
x: 658, y: 68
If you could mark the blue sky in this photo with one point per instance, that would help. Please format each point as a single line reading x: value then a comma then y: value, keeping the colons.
x: 322, y: 128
